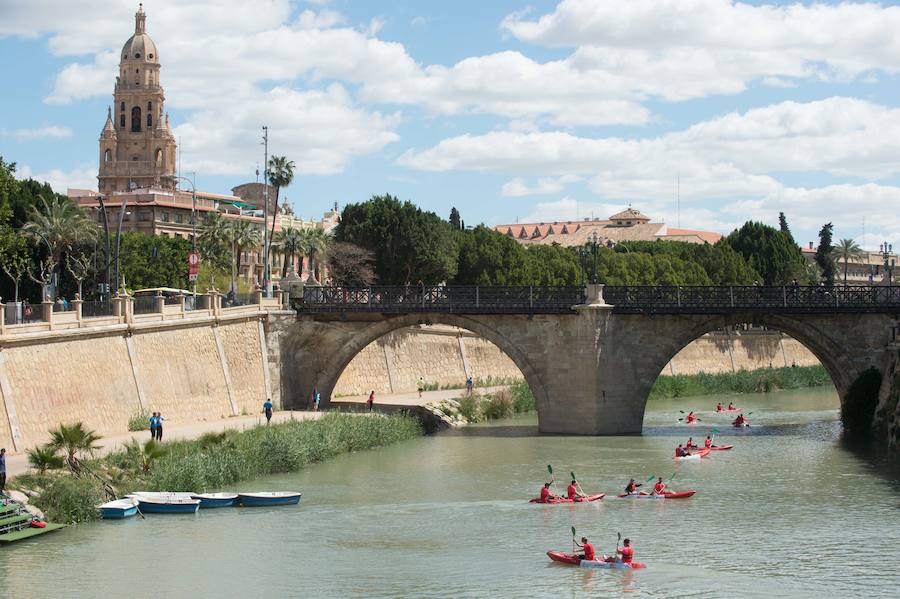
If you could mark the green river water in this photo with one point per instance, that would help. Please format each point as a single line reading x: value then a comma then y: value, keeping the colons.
x: 792, y: 511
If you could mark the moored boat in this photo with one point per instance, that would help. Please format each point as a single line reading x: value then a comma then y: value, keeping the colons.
x: 574, y: 559
x: 119, y: 509
x: 567, y: 500
x: 267, y: 498
x: 213, y: 500
x: 645, y: 495
x: 167, y: 505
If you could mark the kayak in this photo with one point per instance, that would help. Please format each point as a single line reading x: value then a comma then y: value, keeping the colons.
x: 694, y: 456
x: 645, y: 495
x: 734, y: 410
x: 567, y: 500
x: 742, y: 425
x: 714, y: 447
x: 575, y: 560
x: 686, y: 421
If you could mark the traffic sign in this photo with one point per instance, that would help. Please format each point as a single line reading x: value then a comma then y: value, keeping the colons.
x: 193, y: 264
x: 193, y: 278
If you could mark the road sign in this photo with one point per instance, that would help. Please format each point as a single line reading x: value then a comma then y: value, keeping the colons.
x: 193, y: 264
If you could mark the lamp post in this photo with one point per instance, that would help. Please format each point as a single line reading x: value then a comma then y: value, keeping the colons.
x: 589, y: 254
x: 123, y: 210
x: 192, y: 181
x: 265, y: 272
x: 889, y: 262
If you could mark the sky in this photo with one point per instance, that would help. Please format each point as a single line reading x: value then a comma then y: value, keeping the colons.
x: 700, y: 113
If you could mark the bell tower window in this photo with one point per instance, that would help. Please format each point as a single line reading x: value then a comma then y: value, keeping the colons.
x: 122, y: 121
x: 136, y: 119
x: 122, y: 107
x: 107, y: 156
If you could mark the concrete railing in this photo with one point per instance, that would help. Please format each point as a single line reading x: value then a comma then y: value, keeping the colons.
x: 207, y: 305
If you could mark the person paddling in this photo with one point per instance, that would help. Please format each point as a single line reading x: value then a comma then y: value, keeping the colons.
x: 572, y: 490
x: 739, y: 421
x: 719, y: 407
x: 624, y: 554
x: 660, y: 487
x: 690, y: 417
x: 681, y: 452
x: 587, y: 548
x: 690, y: 444
x: 631, y: 488
x: 546, y: 495
x: 730, y: 406
x: 708, y: 443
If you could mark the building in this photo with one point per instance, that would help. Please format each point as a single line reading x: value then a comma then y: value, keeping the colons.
x: 628, y: 225
x: 137, y: 180
x: 867, y: 269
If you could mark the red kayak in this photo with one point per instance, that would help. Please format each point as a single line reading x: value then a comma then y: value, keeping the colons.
x: 567, y: 500
x: 713, y: 448
x: 645, y: 495
x: 734, y: 410
x: 694, y: 456
x: 574, y: 559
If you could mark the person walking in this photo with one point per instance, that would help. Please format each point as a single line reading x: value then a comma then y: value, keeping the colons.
x: 371, y: 400
x: 2, y: 470
x: 153, y: 424
x: 267, y: 408
x: 420, y: 385
x: 159, y: 425
x: 469, y: 385
x: 317, y: 398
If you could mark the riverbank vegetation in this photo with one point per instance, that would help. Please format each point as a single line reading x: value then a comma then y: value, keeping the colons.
x: 762, y: 380
x: 213, y: 461
x: 480, y: 407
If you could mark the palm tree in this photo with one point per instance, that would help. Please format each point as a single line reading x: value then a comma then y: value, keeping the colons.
x: 290, y: 242
x: 72, y: 440
x: 315, y: 241
x: 59, y: 223
x: 242, y: 235
x: 213, y: 236
x: 43, y: 458
x: 846, y: 251
x: 281, y: 174
x: 144, y: 455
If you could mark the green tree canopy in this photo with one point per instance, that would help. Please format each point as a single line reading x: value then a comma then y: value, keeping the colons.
x: 154, y: 261
x: 769, y: 252
x: 847, y: 251
x: 825, y: 254
x: 409, y: 244
x: 722, y: 264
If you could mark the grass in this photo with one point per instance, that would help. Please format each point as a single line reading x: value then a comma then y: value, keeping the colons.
x: 762, y: 380
x: 503, y: 403
x: 215, y: 460
x: 139, y: 421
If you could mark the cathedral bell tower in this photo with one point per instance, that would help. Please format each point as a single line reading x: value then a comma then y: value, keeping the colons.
x: 137, y: 146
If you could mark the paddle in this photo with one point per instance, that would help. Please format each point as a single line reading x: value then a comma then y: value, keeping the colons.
x: 616, y: 553
x: 578, y: 484
x: 553, y: 479
x: 573, y: 541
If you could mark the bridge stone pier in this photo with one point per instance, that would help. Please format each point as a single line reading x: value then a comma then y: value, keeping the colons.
x: 590, y: 364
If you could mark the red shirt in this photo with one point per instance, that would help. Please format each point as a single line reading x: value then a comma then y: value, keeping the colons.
x: 545, y: 493
x: 679, y: 452
x: 627, y: 554
x: 588, y: 551
x: 572, y: 491
x: 690, y: 417
x: 658, y: 487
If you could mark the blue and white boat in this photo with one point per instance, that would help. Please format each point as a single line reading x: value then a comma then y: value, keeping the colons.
x: 166, y: 503
x: 119, y: 509
x: 211, y: 500
x: 267, y: 498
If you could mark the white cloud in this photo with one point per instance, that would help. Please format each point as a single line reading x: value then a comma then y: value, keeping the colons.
x: 48, y: 131
x: 82, y: 177
x: 518, y: 188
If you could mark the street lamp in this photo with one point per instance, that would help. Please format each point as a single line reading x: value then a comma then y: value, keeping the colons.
x: 123, y: 210
x: 889, y: 262
x: 589, y: 253
x: 192, y: 181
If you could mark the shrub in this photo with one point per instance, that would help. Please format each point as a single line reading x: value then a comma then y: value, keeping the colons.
x: 71, y: 499
x: 139, y: 421
x: 523, y: 398
x: 469, y: 408
x: 763, y: 380
x: 499, y: 405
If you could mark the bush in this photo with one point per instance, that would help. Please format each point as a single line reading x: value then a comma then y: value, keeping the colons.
x: 763, y: 380
x: 523, y: 398
x: 71, y: 499
x: 499, y: 405
x: 469, y: 408
x: 139, y: 421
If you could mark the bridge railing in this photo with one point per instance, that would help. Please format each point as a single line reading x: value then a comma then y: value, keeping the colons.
x: 715, y: 300
x: 457, y: 299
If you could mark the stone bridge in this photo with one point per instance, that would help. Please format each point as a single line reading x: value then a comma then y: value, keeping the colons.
x: 590, y: 364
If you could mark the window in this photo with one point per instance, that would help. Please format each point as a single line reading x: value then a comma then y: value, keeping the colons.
x: 107, y: 156
x: 122, y: 107
x: 122, y: 121
x: 136, y: 119
x: 158, y: 156
x: 137, y: 54
x: 144, y: 216
x: 165, y: 217
x: 179, y: 218
x: 149, y: 56
x: 149, y: 120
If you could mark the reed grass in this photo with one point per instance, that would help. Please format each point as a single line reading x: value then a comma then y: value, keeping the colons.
x: 763, y: 380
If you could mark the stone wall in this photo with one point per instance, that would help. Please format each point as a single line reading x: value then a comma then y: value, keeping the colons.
x: 202, y: 370
x: 446, y: 356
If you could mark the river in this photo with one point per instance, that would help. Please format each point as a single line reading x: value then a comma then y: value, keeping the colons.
x: 791, y: 511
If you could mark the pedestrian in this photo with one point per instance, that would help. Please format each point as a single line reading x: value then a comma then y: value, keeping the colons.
x: 2, y: 470
x: 267, y: 408
x: 27, y: 311
x: 159, y: 424
x: 153, y: 424
x: 420, y: 385
x: 469, y: 385
x: 317, y: 399
x: 371, y: 400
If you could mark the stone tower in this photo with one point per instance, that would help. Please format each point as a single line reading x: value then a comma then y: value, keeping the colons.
x: 137, y: 146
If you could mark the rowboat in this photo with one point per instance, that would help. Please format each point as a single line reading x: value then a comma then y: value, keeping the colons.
x: 694, y: 456
x: 267, y: 498
x: 211, y: 500
x: 574, y: 559
x: 119, y: 509
x: 584, y: 499
x: 645, y: 495
x: 149, y: 504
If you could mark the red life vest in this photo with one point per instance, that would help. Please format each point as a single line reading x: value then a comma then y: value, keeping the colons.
x: 708, y: 443
x: 545, y: 493
x: 572, y: 491
x: 658, y: 487
x: 627, y: 554
x: 588, y: 551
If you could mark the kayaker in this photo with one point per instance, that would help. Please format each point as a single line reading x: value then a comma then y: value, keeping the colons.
x: 267, y: 408
x: 659, y: 487
x: 587, y: 548
x: 572, y: 490
x: 719, y: 407
x: 681, y: 452
x: 631, y: 488
x: 690, y: 444
x: 708, y: 443
x: 626, y: 553
x: 690, y: 417
x: 546, y: 495
x: 739, y: 421
x: 730, y: 406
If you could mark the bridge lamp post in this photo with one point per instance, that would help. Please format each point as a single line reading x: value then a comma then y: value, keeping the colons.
x: 889, y: 263
x: 589, y: 254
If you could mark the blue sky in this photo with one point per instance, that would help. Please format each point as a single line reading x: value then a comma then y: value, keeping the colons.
x: 508, y: 110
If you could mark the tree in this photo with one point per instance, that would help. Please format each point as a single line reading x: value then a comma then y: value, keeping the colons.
x: 14, y: 258
x: 846, y: 251
x: 723, y: 265
x: 313, y: 242
x: 9, y: 185
x: 79, y: 266
x: 242, y: 235
x: 143, y: 455
x: 350, y: 265
x: 281, y: 174
x: 289, y: 243
x: 73, y: 440
x: 43, y: 458
x: 769, y: 252
x: 455, y: 220
x: 213, y: 240
x: 825, y: 254
x: 409, y: 244
x: 783, y: 227
x: 154, y: 260
x: 60, y: 224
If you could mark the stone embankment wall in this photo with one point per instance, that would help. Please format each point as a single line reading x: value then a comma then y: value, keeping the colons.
x: 101, y: 377
x: 447, y: 356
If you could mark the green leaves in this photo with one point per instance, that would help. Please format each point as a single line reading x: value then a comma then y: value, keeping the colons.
x: 771, y: 253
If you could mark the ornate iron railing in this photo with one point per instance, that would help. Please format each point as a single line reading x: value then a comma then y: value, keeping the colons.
x: 454, y: 300
x: 723, y: 300
x: 624, y: 299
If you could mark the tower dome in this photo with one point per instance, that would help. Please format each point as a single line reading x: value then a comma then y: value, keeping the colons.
x: 139, y: 47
